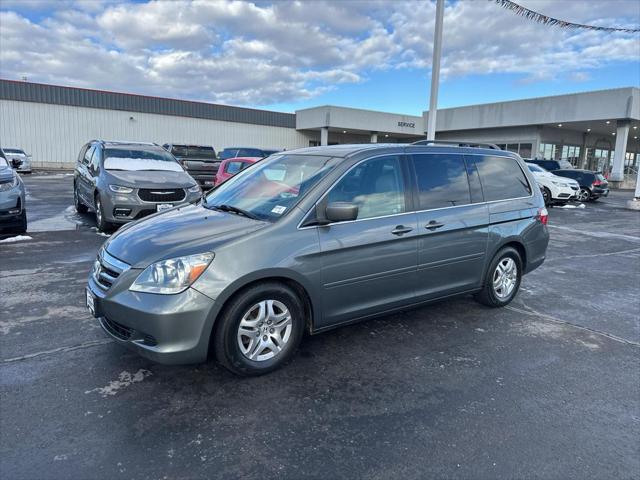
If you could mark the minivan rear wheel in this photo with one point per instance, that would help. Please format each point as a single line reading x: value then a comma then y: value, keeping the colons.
x: 259, y: 330
x: 502, y: 280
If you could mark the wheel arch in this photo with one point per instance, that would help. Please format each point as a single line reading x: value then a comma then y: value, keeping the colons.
x: 514, y: 243
x: 311, y: 306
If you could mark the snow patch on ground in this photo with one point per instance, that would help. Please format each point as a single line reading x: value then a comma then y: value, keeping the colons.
x: 571, y: 206
x: 17, y: 238
x: 125, y: 379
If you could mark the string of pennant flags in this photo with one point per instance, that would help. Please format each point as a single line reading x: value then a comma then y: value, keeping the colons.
x: 544, y: 19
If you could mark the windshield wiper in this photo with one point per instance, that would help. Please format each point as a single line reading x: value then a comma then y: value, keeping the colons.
x: 230, y: 208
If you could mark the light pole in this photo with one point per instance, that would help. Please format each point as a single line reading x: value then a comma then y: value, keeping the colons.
x: 435, y: 71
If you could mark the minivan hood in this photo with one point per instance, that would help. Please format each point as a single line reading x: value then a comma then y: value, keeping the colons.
x: 181, y: 231
x: 151, y: 178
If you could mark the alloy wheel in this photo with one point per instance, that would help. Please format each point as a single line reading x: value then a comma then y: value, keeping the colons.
x: 264, y: 330
x: 583, y: 195
x: 505, y: 278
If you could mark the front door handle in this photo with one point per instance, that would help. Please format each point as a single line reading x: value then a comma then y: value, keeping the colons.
x: 401, y: 230
x: 433, y: 225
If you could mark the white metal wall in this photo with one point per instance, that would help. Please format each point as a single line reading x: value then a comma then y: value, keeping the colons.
x: 53, y: 134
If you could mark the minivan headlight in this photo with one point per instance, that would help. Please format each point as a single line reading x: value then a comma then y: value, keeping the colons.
x: 120, y: 189
x: 173, y: 275
x: 195, y: 189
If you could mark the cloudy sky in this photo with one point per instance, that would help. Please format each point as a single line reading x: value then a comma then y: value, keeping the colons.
x: 287, y: 55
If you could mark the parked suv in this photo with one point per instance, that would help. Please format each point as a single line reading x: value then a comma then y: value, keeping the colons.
x: 13, y: 213
x: 198, y: 160
x: 315, y: 238
x: 124, y: 181
x: 555, y: 189
x: 592, y: 185
x: 233, y: 152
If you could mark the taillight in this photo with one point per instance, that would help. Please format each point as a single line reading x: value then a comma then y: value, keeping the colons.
x: 596, y: 182
x: 543, y: 216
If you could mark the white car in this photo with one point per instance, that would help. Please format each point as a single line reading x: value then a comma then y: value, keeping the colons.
x: 554, y: 188
x: 18, y: 159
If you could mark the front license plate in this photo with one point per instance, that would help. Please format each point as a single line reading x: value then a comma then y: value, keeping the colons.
x: 91, y: 302
x: 164, y: 206
x: 208, y: 182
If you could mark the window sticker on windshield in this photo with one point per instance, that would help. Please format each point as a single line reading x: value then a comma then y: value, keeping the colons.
x: 278, y: 209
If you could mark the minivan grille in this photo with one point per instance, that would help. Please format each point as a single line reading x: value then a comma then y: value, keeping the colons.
x: 117, y: 329
x: 107, y: 269
x: 161, y: 194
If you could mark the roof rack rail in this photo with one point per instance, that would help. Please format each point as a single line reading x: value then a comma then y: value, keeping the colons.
x: 458, y: 144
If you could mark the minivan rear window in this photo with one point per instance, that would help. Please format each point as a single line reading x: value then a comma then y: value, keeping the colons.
x: 502, y: 178
x: 442, y: 180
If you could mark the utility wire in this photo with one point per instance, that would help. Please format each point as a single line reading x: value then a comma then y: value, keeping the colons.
x: 546, y: 20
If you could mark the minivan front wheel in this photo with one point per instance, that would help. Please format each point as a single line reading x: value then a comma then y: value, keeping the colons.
x: 502, y: 280
x: 259, y: 330
x: 80, y: 207
x: 101, y: 223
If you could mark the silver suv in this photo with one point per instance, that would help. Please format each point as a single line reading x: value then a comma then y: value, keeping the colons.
x: 312, y: 239
x: 124, y: 181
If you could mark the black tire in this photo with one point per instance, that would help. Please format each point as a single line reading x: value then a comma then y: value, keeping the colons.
x: 77, y: 201
x: 225, y: 336
x: 546, y: 194
x: 22, y: 225
x: 488, y: 295
x: 101, y: 223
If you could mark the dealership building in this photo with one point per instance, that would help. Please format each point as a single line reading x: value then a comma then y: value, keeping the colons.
x: 598, y: 130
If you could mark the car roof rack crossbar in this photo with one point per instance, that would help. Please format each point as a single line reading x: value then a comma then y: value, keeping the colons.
x: 458, y: 144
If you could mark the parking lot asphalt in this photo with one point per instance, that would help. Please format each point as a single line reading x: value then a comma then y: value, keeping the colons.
x: 548, y: 387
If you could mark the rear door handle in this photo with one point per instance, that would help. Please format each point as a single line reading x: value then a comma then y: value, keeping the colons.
x: 401, y: 230
x: 433, y: 225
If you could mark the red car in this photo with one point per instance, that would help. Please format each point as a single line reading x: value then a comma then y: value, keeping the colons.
x: 229, y: 167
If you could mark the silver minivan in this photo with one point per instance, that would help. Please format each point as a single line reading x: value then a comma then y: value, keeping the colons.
x: 125, y: 181
x: 311, y: 239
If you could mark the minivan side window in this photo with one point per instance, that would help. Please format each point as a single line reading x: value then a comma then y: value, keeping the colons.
x: 376, y: 186
x: 87, y: 155
x: 502, y: 178
x: 442, y: 180
x: 94, y: 165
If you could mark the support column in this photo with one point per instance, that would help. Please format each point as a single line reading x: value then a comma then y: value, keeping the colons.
x: 374, y: 137
x: 324, y: 136
x: 622, y: 136
x: 583, y: 151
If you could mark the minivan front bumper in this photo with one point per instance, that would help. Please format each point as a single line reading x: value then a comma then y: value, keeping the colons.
x: 168, y: 329
x: 123, y: 208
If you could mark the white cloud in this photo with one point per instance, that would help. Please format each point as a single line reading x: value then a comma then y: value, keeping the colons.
x: 245, y: 53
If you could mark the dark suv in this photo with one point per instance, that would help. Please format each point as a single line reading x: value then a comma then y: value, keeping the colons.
x: 200, y: 161
x: 311, y: 239
x: 593, y: 185
x: 234, y: 152
x: 124, y: 181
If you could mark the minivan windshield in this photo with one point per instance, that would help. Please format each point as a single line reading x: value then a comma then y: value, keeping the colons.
x: 140, y: 160
x: 14, y: 150
x: 270, y: 188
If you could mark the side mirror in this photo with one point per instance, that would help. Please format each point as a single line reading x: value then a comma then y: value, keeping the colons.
x: 341, y: 211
